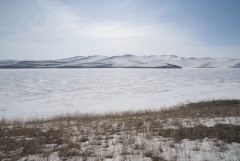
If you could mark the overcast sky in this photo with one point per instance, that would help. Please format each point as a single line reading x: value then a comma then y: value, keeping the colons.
x: 52, y: 29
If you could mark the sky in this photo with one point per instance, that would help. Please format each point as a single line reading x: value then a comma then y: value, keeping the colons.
x: 53, y: 29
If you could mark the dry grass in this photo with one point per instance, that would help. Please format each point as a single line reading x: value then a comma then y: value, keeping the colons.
x: 205, y: 108
x: 80, y: 135
x: 227, y: 133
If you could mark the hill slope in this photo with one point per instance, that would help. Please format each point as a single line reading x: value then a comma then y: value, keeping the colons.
x: 125, y: 61
x: 207, y: 130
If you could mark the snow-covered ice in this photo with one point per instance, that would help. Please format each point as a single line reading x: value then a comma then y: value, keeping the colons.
x: 46, y: 92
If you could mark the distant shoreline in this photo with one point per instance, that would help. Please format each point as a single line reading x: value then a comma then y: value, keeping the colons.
x: 90, y: 67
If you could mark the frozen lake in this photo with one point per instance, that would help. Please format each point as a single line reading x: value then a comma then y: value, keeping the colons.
x: 45, y: 92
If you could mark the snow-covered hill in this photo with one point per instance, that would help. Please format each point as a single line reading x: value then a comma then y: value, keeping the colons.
x: 125, y: 61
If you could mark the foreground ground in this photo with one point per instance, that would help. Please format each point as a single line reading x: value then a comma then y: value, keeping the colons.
x: 208, y: 130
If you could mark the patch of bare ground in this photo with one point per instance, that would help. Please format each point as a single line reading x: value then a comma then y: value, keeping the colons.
x: 208, y: 130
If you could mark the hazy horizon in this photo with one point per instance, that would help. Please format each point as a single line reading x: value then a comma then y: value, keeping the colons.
x: 36, y: 59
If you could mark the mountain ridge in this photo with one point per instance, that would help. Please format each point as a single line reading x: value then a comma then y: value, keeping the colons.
x: 125, y: 61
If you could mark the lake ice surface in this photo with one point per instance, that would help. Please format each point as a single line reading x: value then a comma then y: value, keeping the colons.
x: 34, y: 93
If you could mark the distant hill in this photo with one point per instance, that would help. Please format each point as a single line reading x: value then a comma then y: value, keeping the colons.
x: 125, y: 61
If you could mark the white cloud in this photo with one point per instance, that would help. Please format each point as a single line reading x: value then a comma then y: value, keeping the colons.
x: 59, y: 30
